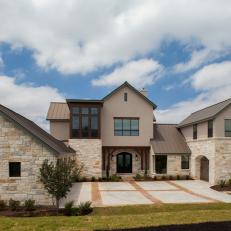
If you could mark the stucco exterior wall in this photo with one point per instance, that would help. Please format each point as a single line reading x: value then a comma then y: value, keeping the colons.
x: 136, y: 162
x: 17, y: 145
x: 88, y: 153
x: 219, y: 122
x: 60, y: 129
x: 136, y: 106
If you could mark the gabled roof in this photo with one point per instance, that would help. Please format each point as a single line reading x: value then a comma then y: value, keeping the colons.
x: 58, y: 146
x: 205, y: 114
x: 168, y: 140
x: 126, y: 84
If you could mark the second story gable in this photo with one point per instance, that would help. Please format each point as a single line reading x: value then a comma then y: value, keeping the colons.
x: 122, y: 118
x: 211, y: 122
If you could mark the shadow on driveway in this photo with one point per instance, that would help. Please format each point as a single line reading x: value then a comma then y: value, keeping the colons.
x: 209, y: 226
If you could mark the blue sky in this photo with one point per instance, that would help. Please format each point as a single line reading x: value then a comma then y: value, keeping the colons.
x: 180, y: 54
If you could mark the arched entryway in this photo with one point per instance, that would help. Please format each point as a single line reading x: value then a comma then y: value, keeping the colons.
x: 124, y: 162
x: 202, y: 167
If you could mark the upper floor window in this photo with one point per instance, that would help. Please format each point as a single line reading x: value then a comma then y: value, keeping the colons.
x: 210, y: 128
x: 195, y: 131
x: 185, y: 162
x: 228, y: 128
x: 14, y: 169
x: 126, y: 126
x: 125, y: 96
x: 85, y: 122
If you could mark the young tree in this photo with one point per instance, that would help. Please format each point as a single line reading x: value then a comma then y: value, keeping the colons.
x: 58, y: 177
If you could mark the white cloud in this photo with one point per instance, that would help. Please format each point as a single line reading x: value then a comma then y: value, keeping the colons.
x: 139, y: 73
x: 81, y: 36
x: 28, y: 100
x: 212, y: 76
x: 1, y: 62
x: 214, y: 84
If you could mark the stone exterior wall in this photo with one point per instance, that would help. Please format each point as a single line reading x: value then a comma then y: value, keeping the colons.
x: 17, y: 145
x: 88, y: 153
x: 136, y: 162
x: 218, y: 152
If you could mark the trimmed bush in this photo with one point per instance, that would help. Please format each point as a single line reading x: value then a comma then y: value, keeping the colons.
x: 29, y: 205
x: 14, y: 205
x: 229, y: 181
x: 138, y: 177
x: 178, y: 177
x: 93, y: 179
x: 2, y: 205
x: 84, y: 208
x: 68, y: 208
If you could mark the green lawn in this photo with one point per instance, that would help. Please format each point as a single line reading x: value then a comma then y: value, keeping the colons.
x: 124, y: 217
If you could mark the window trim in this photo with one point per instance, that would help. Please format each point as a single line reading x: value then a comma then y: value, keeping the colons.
x: 130, y: 130
x: 89, y: 115
x: 195, y: 131
x: 210, y: 130
x: 20, y: 169
x: 125, y: 96
x: 188, y: 162
x: 225, y: 128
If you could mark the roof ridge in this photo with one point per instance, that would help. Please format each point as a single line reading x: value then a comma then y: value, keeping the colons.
x: 211, y: 106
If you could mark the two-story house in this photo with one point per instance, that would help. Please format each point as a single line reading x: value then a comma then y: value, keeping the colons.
x: 118, y: 135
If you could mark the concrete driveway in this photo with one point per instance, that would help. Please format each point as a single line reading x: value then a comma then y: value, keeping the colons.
x: 148, y: 192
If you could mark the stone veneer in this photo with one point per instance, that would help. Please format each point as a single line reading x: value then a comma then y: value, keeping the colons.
x: 88, y: 153
x: 136, y: 162
x: 173, y: 165
x: 218, y: 152
x: 18, y: 145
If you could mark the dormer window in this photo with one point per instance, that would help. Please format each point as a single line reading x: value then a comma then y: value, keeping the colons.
x: 85, y: 122
x: 125, y: 96
x: 195, y: 131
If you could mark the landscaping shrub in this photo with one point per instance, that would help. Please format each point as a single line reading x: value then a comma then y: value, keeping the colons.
x: 93, y: 179
x: 2, y: 205
x: 229, y: 181
x: 138, y: 177
x: 154, y: 178
x: 68, y: 208
x: 178, y: 177
x: 187, y: 177
x: 14, y: 204
x: 29, y: 205
x: 84, y: 208
x: 163, y: 177
x: 222, y: 183
x: 170, y: 177
x: 115, y: 178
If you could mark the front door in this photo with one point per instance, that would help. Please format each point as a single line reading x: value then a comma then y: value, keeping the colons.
x: 124, y: 163
x: 161, y: 164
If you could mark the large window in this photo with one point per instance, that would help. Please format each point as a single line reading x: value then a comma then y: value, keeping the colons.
x: 85, y: 122
x: 195, y: 131
x: 185, y: 162
x: 126, y: 127
x: 228, y: 128
x: 210, y: 128
x: 14, y: 169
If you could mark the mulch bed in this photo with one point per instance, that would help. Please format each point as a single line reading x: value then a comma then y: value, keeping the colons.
x: 39, y: 212
x: 221, y: 189
x: 208, y: 226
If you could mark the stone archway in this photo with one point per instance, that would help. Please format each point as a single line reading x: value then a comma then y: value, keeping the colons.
x: 202, y: 168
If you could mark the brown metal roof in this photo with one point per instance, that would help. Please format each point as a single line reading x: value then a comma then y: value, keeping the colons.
x: 58, y: 146
x: 58, y: 111
x: 168, y: 140
x: 205, y: 114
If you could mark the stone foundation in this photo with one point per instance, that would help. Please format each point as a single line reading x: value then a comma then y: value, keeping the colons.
x: 17, y: 145
x: 88, y: 153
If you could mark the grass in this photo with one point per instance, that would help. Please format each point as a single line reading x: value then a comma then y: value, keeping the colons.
x: 123, y: 217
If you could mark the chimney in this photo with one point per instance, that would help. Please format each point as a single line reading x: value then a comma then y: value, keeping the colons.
x: 144, y: 92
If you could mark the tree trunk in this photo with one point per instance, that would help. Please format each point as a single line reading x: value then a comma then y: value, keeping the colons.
x: 57, y: 205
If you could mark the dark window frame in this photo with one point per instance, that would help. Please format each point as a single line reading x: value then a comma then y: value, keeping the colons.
x: 89, y: 115
x: 127, y: 132
x: 195, y: 131
x: 13, y: 171
x: 185, y: 164
x: 227, y: 131
x: 210, y: 129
